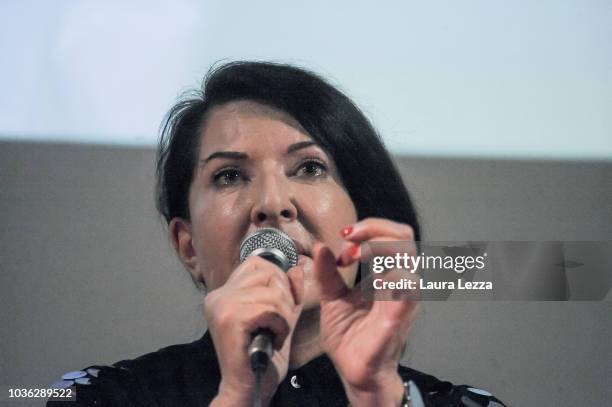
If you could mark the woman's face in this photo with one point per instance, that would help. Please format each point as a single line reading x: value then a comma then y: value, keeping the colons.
x: 257, y: 168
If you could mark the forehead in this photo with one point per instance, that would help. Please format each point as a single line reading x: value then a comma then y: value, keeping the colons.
x: 249, y: 125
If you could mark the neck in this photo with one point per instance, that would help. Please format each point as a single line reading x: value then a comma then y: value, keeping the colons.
x: 305, y: 344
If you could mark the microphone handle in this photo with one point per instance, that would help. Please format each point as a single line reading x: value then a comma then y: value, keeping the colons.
x: 261, y: 349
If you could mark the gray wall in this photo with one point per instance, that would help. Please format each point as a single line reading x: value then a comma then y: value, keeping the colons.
x: 87, y: 275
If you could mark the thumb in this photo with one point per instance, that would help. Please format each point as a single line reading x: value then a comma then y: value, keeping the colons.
x: 331, y: 284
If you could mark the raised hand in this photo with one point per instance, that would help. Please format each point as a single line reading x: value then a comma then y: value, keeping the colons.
x: 365, y: 339
x: 257, y: 295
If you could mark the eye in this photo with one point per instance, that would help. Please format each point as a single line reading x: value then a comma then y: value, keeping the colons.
x: 311, y: 168
x: 227, y: 177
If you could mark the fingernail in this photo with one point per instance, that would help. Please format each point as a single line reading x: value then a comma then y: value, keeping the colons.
x: 355, y: 251
x: 346, y: 231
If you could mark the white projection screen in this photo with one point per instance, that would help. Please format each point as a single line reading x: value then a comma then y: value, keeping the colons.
x: 470, y: 79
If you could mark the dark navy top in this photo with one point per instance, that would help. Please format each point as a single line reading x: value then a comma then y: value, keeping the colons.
x: 188, y: 375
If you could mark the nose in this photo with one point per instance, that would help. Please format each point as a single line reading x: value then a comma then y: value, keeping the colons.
x: 274, y: 202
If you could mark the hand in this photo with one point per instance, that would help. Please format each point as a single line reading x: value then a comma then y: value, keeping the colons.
x: 256, y: 295
x: 364, y: 339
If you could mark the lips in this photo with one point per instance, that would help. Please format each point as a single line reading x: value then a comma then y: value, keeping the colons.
x: 301, y: 249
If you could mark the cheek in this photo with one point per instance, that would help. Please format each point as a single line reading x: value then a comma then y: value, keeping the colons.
x: 214, y: 238
x: 331, y: 209
x: 340, y: 213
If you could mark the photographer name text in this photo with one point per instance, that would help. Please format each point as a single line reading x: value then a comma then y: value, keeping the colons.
x: 420, y: 284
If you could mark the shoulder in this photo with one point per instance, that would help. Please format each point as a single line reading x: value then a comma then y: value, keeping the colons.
x: 436, y: 392
x: 178, y: 373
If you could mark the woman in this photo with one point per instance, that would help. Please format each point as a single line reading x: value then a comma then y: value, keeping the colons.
x: 270, y: 145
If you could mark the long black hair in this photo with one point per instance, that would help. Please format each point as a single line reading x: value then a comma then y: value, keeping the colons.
x: 327, y: 115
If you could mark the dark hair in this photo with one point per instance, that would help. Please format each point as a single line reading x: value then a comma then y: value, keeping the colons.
x: 326, y: 114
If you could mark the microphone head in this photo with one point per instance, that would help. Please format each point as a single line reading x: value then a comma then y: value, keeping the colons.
x: 272, y: 245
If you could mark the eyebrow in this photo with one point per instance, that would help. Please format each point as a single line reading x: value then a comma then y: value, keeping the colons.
x: 237, y: 155
x: 302, y: 144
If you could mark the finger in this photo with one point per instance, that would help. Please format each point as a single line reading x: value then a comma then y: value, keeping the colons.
x: 256, y: 271
x: 296, y: 282
x: 282, y: 283
x: 351, y: 252
x: 374, y: 227
x: 269, y: 296
x: 330, y: 282
x: 271, y: 320
x: 272, y: 277
x: 246, y: 270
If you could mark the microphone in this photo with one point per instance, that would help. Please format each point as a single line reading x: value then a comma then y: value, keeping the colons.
x: 278, y: 248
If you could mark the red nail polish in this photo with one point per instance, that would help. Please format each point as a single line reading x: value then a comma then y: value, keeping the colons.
x: 346, y: 231
x: 355, y: 251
